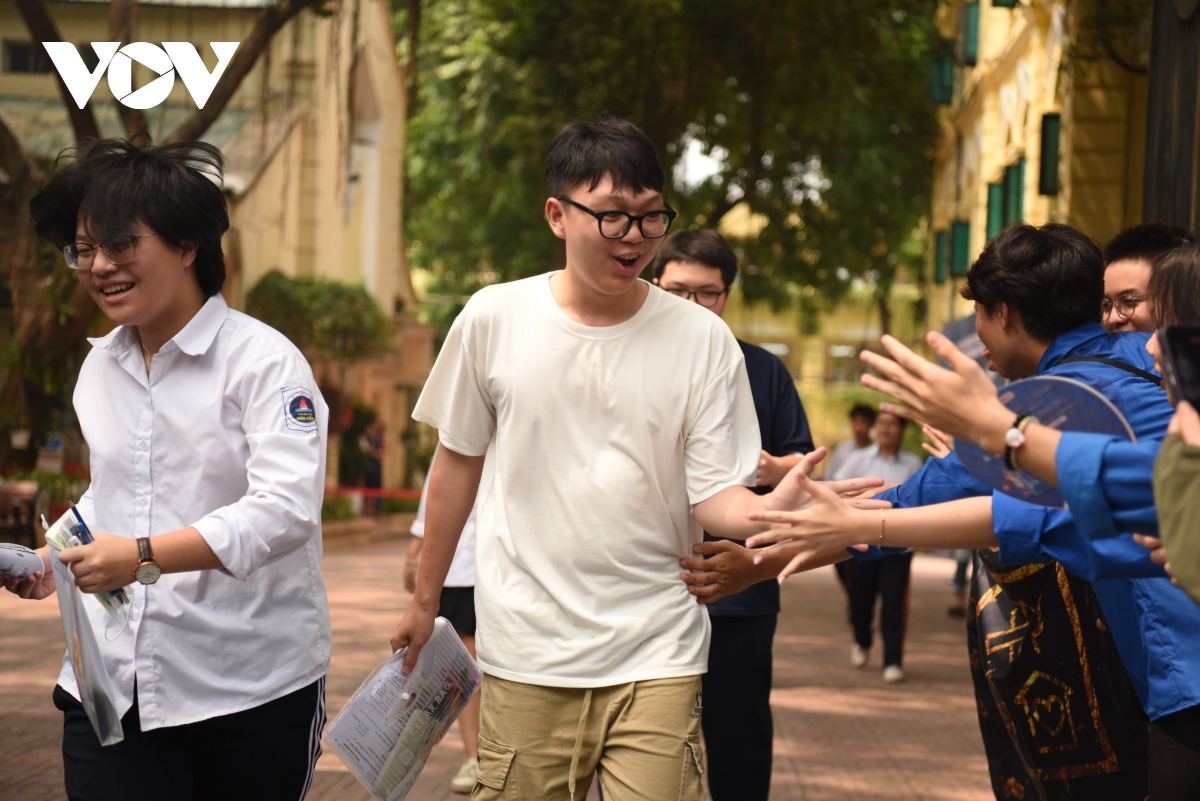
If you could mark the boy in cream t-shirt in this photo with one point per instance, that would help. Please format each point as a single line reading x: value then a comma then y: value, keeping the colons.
x: 608, y: 408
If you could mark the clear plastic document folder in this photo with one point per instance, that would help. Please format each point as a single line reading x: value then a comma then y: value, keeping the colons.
x: 388, y: 727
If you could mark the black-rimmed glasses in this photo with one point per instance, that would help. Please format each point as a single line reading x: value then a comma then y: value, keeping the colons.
x: 705, y: 297
x: 616, y: 224
x: 118, y: 250
x: 1125, y: 304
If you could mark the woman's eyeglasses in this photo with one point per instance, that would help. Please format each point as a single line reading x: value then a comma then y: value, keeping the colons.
x: 118, y: 250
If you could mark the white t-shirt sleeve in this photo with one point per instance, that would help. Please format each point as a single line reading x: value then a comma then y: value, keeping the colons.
x: 418, y: 524
x: 722, y: 445
x: 454, y: 400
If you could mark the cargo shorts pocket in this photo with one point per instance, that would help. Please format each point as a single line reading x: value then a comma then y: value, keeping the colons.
x: 690, y: 788
x: 495, y: 761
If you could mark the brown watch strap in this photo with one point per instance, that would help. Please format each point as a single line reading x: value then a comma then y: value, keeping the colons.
x: 145, y: 554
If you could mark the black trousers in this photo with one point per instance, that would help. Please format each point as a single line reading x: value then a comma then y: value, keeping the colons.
x: 1175, y: 757
x: 266, y: 753
x: 737, y: 724
x: 885, y: 578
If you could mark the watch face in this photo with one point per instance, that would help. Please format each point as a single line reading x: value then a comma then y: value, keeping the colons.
x: 1014, y: 438
x: 148, y: 573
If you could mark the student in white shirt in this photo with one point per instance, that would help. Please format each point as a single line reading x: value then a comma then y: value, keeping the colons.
x: 886, y: 579
x: 207, y: 440
x: 607, y: 408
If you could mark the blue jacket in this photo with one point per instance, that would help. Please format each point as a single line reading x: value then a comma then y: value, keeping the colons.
x: 1156, y: 628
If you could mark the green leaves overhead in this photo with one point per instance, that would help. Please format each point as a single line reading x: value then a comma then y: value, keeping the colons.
x: 815, y: 114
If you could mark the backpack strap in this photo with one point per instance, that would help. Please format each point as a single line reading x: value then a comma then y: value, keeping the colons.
x: 1120, y: 365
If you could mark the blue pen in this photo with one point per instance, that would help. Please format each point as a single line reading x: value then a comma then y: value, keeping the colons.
x: 85, y: 536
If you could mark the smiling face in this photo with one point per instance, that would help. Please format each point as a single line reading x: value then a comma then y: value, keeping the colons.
x: 156, y: 291
x: 1128, y: 276
x: 606, y: 267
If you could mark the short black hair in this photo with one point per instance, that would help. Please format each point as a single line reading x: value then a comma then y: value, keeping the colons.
x: 1175, y: 285
x: 584, y: 152
x: 703, y: 247
x: 112, y: 183
x: 1053, y: 276
x: 1146, y: 242
x: 863, y: 410
x: 903, y: 421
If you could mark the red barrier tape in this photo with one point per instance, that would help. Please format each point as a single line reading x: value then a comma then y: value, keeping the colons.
x: 372, y: 492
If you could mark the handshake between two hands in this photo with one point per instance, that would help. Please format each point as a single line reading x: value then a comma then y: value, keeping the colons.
x: 807, y: 524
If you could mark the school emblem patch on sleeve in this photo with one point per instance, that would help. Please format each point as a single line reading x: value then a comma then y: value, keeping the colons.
x: 299, y: 411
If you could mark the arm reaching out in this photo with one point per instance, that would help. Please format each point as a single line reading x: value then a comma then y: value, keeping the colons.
x: 830, y: 525
x: 732, y: 568
x: 727, y: 513
x: 961, y: 401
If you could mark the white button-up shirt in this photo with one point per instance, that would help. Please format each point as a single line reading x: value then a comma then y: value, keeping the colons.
x: 870, y: 462
x: 226, y: 434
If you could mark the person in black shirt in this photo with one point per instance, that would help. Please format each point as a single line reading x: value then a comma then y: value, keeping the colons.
x: 738, y: 729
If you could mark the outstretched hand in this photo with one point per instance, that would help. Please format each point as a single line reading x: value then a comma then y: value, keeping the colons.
x: 828, y: 525
x: 940, y: 443
x: 961, y: 401
x: 792, y: 493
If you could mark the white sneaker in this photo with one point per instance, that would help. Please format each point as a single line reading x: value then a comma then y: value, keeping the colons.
x: 858, y: 655
x: 893, y: 674
x: 464, y: 781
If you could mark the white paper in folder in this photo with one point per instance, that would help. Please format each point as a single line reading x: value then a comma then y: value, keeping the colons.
x: 388, y: 727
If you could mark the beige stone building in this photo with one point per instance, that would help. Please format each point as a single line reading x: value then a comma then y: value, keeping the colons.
x: 314, y: 142
x: 1033, y: 129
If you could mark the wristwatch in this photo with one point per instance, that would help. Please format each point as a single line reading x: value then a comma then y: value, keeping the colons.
x: 147, y: 571
x: 1015, y: 438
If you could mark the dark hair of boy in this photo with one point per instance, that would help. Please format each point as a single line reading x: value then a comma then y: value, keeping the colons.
x: 582, y: 153
x: 1175, y: 285
x: 1053, y: 276
x: 110, y: 184
x: 703, y: 247
x: 1146, y: 242
x: 862, y: 410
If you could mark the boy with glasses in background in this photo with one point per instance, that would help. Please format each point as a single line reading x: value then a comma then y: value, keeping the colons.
x: 1127, y: 305
x: 738, y: 728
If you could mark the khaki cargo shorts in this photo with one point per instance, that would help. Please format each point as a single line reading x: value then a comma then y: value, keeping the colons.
x: 538, y: 743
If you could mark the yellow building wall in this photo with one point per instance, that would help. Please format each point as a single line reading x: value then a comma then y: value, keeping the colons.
x: 1026, y: 68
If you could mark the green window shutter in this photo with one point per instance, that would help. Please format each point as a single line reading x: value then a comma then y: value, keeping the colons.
x: 995, y: 210
x: 1005, y: 3
x: 941, y: 75
x: 960, y: 246
x: 939, y: 258
x: 970, y: 34
x: 1014, y: 193
x: 1048, y: 169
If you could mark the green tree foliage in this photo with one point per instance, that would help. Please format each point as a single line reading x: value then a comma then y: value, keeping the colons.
x: 321, y: 317
x: 817, y: 114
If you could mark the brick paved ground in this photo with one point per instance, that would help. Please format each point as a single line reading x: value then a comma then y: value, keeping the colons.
x: 840, y: 733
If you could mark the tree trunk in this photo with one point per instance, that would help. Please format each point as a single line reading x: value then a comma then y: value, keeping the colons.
x: 247, y: 55
x: 42, y: 28
x: 120, y: 29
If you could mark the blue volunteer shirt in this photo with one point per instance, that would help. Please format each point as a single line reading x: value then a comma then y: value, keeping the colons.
x: 1156, y: 630
x: 783, y: 427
